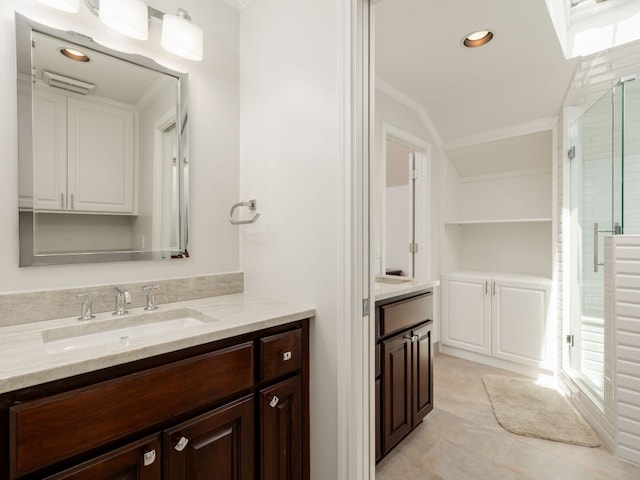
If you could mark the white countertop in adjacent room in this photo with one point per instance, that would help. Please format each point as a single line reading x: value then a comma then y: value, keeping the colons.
x: 25, y: 361
x: 390, y: 286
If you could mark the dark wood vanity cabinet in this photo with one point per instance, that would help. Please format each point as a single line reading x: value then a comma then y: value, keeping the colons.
x: 233, y: 409
x: 136, y: 461
x: 281, y: 431
x: 218, y: 444
x: 404, y: 371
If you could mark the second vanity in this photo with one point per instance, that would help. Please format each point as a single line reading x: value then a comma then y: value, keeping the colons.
x: 207, y: 387
x: 403, y: 358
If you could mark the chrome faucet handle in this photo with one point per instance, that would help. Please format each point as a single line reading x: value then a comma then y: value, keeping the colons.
x: 148, y: 289
x: 86, y: 306
x: 123, y: 297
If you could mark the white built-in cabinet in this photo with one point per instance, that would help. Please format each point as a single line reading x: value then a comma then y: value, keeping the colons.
x: 84, y: 154
x: 497, y: 250
x: 503, y: 316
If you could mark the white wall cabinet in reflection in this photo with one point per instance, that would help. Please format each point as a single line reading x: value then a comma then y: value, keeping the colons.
x: 84, y: 154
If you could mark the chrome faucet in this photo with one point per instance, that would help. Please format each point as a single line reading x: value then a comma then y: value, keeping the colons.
x: 85, y: 308
x: 151, y: 302
x: 123, y: 297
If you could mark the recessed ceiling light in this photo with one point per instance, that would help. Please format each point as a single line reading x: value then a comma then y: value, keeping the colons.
x: 477, y: 39
x: 76, y: 55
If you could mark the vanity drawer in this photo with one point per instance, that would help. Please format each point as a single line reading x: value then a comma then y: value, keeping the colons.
x: 280, y: 354
x: 48, y: 430
x: 404, y: 314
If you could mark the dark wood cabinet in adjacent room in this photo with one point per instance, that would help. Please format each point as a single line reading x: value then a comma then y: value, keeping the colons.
x: 397, y: 389
x: 404, y: 383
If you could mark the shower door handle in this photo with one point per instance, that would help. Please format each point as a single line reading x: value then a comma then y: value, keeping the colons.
x: 595, y: 247
x: 595, y: 244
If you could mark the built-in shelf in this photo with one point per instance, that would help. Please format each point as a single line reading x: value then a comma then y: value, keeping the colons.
x: 507, y: 220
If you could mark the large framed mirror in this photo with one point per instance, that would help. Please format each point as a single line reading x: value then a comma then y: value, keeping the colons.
x: 103, y: 152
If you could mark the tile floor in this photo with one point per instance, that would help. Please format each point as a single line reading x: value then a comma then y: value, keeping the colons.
x: 460, y: 439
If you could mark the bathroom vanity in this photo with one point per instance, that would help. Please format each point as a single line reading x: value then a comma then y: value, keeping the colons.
x: 227, y: 397
x: 403, y: 360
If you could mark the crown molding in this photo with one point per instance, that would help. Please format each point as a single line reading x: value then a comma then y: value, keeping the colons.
x: 522, y: 129
x: 406, y: 100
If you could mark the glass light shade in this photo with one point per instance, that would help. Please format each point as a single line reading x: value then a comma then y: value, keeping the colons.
x: 129, y: 17
x: 64, y: 5
x: 181, y: 37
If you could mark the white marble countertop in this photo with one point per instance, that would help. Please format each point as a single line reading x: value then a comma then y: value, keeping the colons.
x: 386, y: 286
x: 25, y: 359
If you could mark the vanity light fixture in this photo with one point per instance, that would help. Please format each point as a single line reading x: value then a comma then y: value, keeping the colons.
x: 477, y: 39
x: 131, y: 17
x: 128, y: 17
x: 181, y: 37
x: 76, y: 55
x: 72, y: 6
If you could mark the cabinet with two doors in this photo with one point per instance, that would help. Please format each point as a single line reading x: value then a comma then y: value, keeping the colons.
x: 500, y: 315
x: 233, y: 409
x: 83, y: 154
x: 404, y: 369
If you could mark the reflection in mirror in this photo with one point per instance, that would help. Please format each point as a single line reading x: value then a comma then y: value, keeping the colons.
x: 102, y: 152
x: 399, y: 210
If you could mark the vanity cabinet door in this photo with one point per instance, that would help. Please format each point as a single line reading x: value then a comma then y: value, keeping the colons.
x: 281, y: 431
x: 215, y: 446
x: 422, y: 371
x: 136, y: 461
x: 396, y: 390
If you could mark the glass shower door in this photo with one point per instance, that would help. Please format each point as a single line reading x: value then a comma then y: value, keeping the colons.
x: 596, y: 211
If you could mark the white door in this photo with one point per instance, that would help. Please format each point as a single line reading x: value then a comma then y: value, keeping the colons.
x: 519, y: 321
x: 466, y: 313
x: 101, y: 157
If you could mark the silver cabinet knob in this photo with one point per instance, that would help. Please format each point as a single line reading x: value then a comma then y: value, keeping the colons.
x: 286, y: 356
x: 274, y: 401
x: 149, y: 458
x: 182, y: 443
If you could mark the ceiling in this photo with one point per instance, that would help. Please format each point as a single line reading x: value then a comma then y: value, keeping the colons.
x: 519, y: 77
x: 104, y: 71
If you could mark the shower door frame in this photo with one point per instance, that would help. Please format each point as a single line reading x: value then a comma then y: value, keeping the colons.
x: 573, y: 329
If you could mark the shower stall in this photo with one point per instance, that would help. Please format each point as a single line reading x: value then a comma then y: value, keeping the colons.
x: 605, y: 200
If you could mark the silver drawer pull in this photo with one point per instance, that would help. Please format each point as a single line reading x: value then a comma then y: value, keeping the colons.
x: 149, y: 458
x: 274, y: 401
x: 286, y: 356
x: 181, y: 444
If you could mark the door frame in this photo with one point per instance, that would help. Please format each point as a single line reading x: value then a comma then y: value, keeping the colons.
x: 356, y: 388
x: 422, y: 207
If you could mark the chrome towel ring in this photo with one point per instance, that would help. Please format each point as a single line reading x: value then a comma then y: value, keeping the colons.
x: 252, y: 208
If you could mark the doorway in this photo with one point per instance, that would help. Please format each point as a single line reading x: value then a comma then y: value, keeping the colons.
x: 403, y: 248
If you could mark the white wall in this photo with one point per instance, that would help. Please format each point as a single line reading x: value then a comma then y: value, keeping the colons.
x: 214, y: 118
x: 290, y: 161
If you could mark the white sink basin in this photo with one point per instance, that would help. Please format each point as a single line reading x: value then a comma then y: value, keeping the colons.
x: 121, y: 330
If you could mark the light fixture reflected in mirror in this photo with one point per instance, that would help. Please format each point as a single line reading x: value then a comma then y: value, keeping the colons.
x: 76, y: 55
x: 128, y: 17
x: 181, y: 37
x: 64, y: 5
